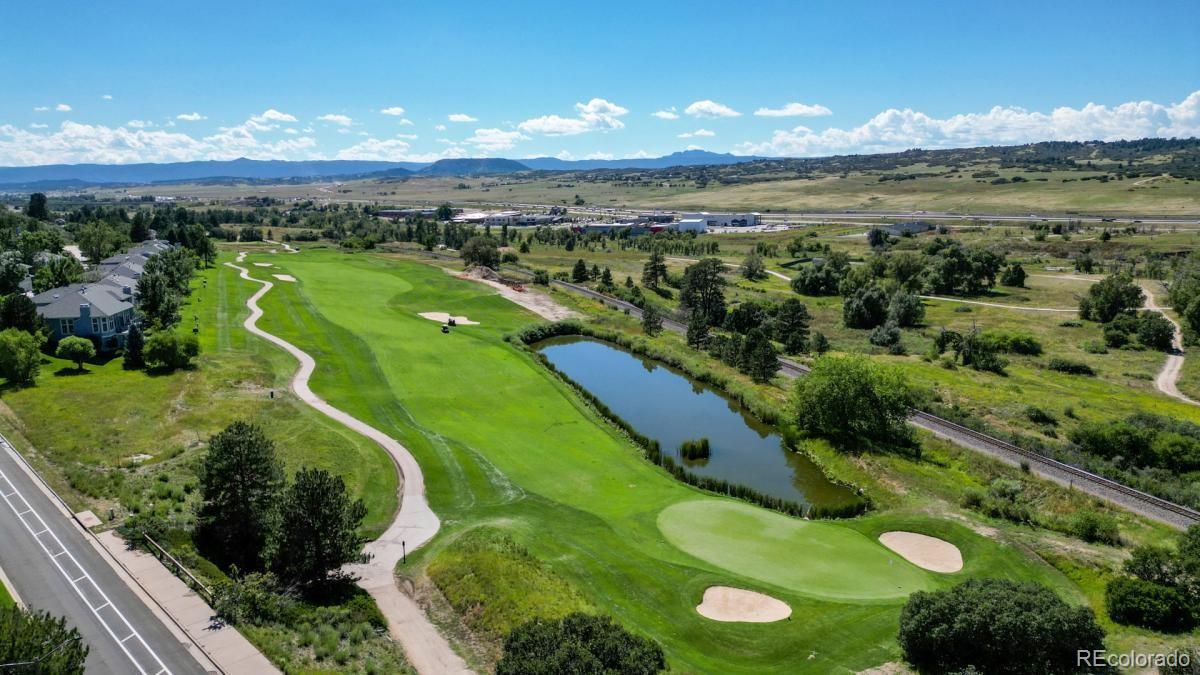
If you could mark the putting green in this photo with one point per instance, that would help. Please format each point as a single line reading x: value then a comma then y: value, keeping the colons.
x: 811, y: 557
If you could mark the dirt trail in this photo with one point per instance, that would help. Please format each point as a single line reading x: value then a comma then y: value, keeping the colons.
x: 415, y: 523
x: 1168, y: 378
x: 994, y: 304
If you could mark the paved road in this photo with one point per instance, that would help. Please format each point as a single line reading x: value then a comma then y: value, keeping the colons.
x: 55, y: 568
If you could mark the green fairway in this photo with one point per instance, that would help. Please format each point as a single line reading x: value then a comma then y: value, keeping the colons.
x: 503, y: 442
x: 814, y: 558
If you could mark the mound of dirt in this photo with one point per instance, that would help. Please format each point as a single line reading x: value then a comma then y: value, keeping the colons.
x: 724, y: 603
x: 482, y: 272
x: 931, y: 553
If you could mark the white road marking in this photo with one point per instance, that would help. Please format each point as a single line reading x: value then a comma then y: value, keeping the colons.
x: 8, y: 499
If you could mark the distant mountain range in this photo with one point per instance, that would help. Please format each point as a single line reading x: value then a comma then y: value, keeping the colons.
x: 66, y: 176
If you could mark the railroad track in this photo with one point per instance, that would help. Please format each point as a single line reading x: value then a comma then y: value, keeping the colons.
x: 1066, y: 474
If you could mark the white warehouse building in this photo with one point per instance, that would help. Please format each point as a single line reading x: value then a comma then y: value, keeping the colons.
x: 698, y: 225
x: 723, y: 219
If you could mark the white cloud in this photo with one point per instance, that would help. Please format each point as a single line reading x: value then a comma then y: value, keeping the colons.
x: 461, y: 117
x: 640, y: 154
x: 492, y: 140
x: 394, y: 111
x: 894, y: 130
x: 411, y: 137
x: 393, y: 150
x: 139, y: 124
x: 107, y: 97
x: 340, y: 120
x: 190, y: 117
x: 711, y: 109
x: 273, y: 115
x: 698, y: 132
x: 406, y: 122
x: 62, y: 107
x: 599, y: 155
x: 440, y: 127
x: 35, y: 125
x: 562, y: 154
x: 794, y: 110
x: 595, y: 115
x: 41, y: 108
x: 668, y: 114
x: 693, y: 147
x: 290, y: 131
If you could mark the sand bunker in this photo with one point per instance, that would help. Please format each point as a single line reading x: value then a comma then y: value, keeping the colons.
x: 284, y: 277
x: 443, y: 317
x: 263, y: 265
x: 931, y: 553
x: 722, y: 603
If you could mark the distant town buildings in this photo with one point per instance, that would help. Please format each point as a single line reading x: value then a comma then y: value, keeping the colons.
x: 723, y: 219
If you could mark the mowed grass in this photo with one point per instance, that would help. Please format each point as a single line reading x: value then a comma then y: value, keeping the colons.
x: 823, y: 559
x: 6, y: 599
x: 503, y: 443
x: 81, y: 427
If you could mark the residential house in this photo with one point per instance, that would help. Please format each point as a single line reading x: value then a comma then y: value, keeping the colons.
x: 97, y: 311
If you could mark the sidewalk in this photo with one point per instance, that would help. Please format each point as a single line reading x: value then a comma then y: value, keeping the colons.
x: 231, y: 652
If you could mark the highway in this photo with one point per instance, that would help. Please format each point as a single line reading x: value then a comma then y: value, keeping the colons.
x: 55, y: 568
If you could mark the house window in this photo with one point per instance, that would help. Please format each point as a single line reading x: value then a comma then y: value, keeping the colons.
x: 66, y: 326
x: 102, y: 324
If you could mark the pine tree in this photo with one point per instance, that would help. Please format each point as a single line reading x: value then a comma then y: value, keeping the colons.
x: 240, y: 482
x: 654, y: 271
x: 318, y: 530
x: 579, y: 273
x: 652, y: 321
x: 135, y: 343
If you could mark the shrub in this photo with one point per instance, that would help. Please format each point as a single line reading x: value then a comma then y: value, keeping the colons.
x: 1150, y: 605
x: 541, y: 277
x: 38, y: 638
x: 170, y: 349
x: 1094, y: 347
x: 1155, y: 331
x: 1011, y: 342
x: 698, y: 449
x: 1096, y: 528
x: 996, y: 626
x: 254, y: 599
x: 1039, y: 416
x: 1070, y: 367
x: 579, y: 643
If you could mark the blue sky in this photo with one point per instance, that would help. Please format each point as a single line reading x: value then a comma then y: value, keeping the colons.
x: 164, y: 81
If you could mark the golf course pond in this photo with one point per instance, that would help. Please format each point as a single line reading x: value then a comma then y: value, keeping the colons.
x: 670, y: 407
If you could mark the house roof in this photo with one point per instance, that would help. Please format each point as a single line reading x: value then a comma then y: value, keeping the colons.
x: 63, y: 303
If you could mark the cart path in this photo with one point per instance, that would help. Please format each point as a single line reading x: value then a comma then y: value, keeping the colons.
x: 415, y: 523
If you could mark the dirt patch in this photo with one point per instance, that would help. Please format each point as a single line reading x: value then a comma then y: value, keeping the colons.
x: 723, y: 603
x: 535, y: 301
x: 444, y: 317
x: 931, y: 553
x: 284, y: 277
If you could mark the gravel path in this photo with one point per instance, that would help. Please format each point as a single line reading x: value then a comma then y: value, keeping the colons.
x: 1168, y: 378
x: 415, y: 523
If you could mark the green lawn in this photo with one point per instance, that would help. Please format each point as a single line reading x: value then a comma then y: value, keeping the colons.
x: 502, y: 442
x: 83, y: 426
x: 6, y: 599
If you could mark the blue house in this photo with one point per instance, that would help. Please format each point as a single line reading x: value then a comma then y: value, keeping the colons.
x: 98, y: 311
